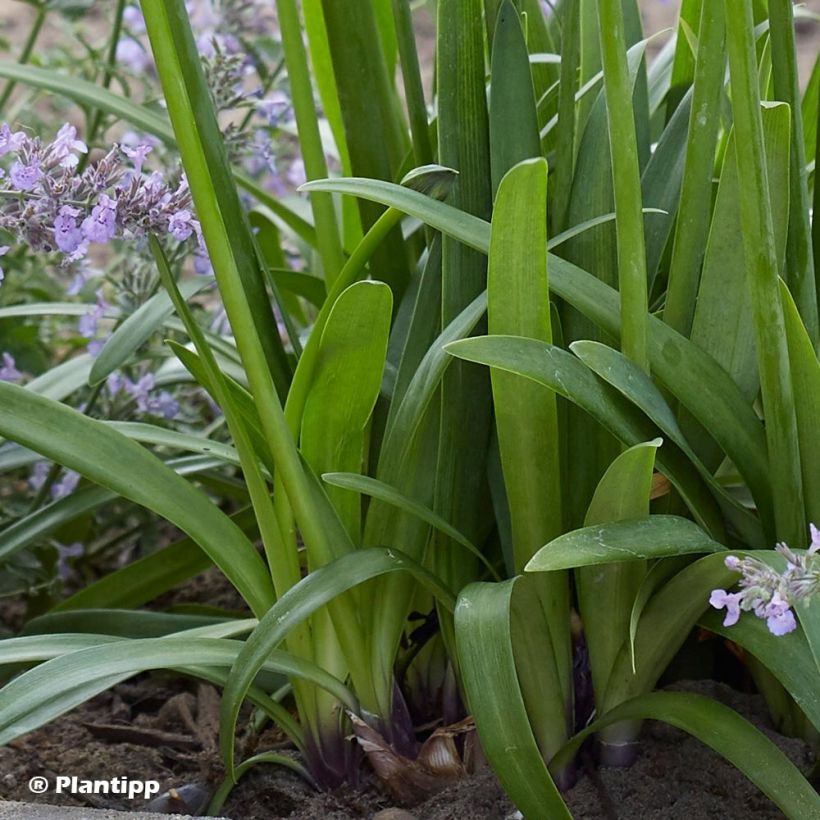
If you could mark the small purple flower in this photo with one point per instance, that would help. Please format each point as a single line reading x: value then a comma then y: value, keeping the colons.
x: 164, y: 405
x: 25, y: 177
x: 132, y: 17
x: 4, y: 249
x: 296, y: 174
x: 779, y: 617
x: 101, y: 226
x: 114, y: 384
x: 721, y: 599
x: 64, y: 552
x: 10, y: 141
x: 814, y: 548
x: 65, y: 144
x: 770, y: 594
x: 39, y: 474
x: 132, y: 54
x: 139, y: 391
x: 180, y: 225
x: 65, y: 485
x: 274, y: 108
x: 137, y: 154
x: 67, y: 233
x: 88, y: 322
x: 9, y: 371
x: 202, y: 262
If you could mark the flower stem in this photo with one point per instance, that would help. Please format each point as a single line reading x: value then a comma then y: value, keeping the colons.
x: 25, y: 54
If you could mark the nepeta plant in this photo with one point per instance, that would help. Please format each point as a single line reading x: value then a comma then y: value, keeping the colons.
x: 45, y: 203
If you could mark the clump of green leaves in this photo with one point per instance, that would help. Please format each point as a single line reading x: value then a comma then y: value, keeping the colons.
x: 573, y: 377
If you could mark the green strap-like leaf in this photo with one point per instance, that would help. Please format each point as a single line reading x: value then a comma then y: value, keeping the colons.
x: 678, y: 363
x: 309, y: 595
x: 138, y: 328
x: 58, y: 685
x: 657, y: 536
x: 730, y: 735
x: 99, y: 453
x: 483, y: 622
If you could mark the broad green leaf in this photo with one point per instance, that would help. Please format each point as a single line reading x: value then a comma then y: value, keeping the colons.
x: 328, y: 239
x: 484, y: 624
x: 658, y: 536
x: 788, y: 657
x: 799, y: 272
x: 661, y: 184
x: 344, y: 390
x: 695, y: 208
x: 526, y: 413
x: 513, y: 118
x: 730, y: 735
x: 463, y: 144
x: 374, y: 130
x: 665, y: 623
x: 518, y: 304
x: 723, y: 324
x: 636, y: 386
x: 625, y: 169
x: 98, y: 452
x: 606, y: 593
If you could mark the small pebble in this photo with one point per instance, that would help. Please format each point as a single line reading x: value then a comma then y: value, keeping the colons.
x: 394, y: 814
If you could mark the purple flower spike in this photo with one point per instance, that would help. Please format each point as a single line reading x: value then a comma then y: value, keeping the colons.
x: 721, y: 599
x: 101, y: 226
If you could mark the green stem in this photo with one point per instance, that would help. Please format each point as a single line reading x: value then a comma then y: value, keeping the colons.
x: 413, y: 87
x: 565, y: 141
x: 25, y: 54
x: 108, y: 75
x: 762, y: 276
x: 799, y: 260
x: 626, y: 183
x: 329, y: 243
x: 696, y: 194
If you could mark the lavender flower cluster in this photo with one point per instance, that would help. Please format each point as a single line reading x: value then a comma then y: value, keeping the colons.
x: 770, y: 594
x: 46, y: 204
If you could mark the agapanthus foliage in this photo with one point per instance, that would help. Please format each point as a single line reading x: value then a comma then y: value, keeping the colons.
x: 771, y: 595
